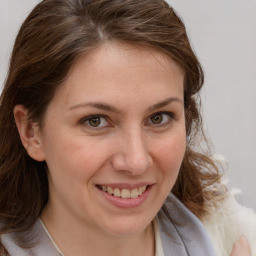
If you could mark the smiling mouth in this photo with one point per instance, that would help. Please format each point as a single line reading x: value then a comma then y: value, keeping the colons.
x: 124, y: 193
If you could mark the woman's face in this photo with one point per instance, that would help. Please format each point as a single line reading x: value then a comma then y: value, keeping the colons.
x: 114, y: 138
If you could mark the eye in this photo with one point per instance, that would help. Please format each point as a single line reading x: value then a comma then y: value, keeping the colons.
x: 161, y: 118
x: 95, y: 121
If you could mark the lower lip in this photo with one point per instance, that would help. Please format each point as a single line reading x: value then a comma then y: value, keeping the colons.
x: 127, y: 202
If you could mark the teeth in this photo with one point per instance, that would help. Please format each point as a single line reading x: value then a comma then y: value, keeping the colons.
x: 134, y: 193
x: 117, y: 192
x: 124, y: 193
x: 110, y: 190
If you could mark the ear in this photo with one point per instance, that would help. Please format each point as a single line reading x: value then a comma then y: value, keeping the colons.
x: 29, y: 133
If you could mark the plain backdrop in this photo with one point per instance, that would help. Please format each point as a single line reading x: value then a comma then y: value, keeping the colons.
x: 223, y: 35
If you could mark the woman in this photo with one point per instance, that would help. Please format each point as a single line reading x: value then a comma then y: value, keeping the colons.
x: 98, y: 118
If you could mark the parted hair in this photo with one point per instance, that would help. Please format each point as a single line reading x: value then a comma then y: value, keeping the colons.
x: 51, y: 39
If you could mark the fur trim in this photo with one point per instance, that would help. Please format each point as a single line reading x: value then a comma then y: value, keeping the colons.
x: 228, y: 222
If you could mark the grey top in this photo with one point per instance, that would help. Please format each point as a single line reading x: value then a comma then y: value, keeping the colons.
x: 182, y: 234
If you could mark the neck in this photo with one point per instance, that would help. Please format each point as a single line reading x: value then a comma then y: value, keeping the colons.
x: 74, y: 238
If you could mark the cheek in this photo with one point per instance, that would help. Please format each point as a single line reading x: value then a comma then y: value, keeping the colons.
x: 170, y: 153
x: 78, y: 160
x: 71, y: 170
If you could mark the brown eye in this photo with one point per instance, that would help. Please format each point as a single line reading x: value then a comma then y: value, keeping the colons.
x: 94, y: 121
x: 157, y: 119
x: 160, y: 119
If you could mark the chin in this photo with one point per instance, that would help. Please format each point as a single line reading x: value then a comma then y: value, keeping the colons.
x: 128, y: 227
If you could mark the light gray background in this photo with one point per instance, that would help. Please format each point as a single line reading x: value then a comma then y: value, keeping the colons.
x: 223, y: 34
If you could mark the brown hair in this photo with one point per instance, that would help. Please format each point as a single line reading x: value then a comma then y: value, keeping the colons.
x: 52, y: 37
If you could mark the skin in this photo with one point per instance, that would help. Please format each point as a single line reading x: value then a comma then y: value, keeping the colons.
x: 132, y: 87
x: 241, y: 248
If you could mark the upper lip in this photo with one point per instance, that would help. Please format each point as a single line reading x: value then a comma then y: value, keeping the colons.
x: 126, y: 185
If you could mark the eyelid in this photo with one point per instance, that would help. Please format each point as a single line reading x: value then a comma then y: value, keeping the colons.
x: 171, y: 115
x: 87, y: 118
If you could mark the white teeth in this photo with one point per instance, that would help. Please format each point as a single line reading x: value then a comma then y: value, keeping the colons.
x: 134, y: 193
x: 124, y: 193
x: 140, y: 191
x: 110, y: 190
x: 117, y: 192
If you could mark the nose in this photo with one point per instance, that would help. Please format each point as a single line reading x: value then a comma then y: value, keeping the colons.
x: 132, y: 154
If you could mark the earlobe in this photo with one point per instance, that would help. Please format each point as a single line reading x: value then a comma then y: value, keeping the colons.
x: 29, y: 133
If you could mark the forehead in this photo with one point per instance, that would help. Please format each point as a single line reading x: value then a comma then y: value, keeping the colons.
x: 121, y: 53
x: 118, y: 68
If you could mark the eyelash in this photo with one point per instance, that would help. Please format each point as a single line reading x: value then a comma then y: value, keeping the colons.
x: 162, y: 115
x: 87, y: 119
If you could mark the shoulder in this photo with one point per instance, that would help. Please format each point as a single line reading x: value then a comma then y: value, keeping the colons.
x: 227, y: 222
x: 3, y: 251
x: 181, y: 231
x: 38, y: 242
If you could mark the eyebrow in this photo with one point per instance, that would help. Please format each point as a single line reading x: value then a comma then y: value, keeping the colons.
x: 110, y: 108
x: 98, y: 105
x: 165, y: 103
